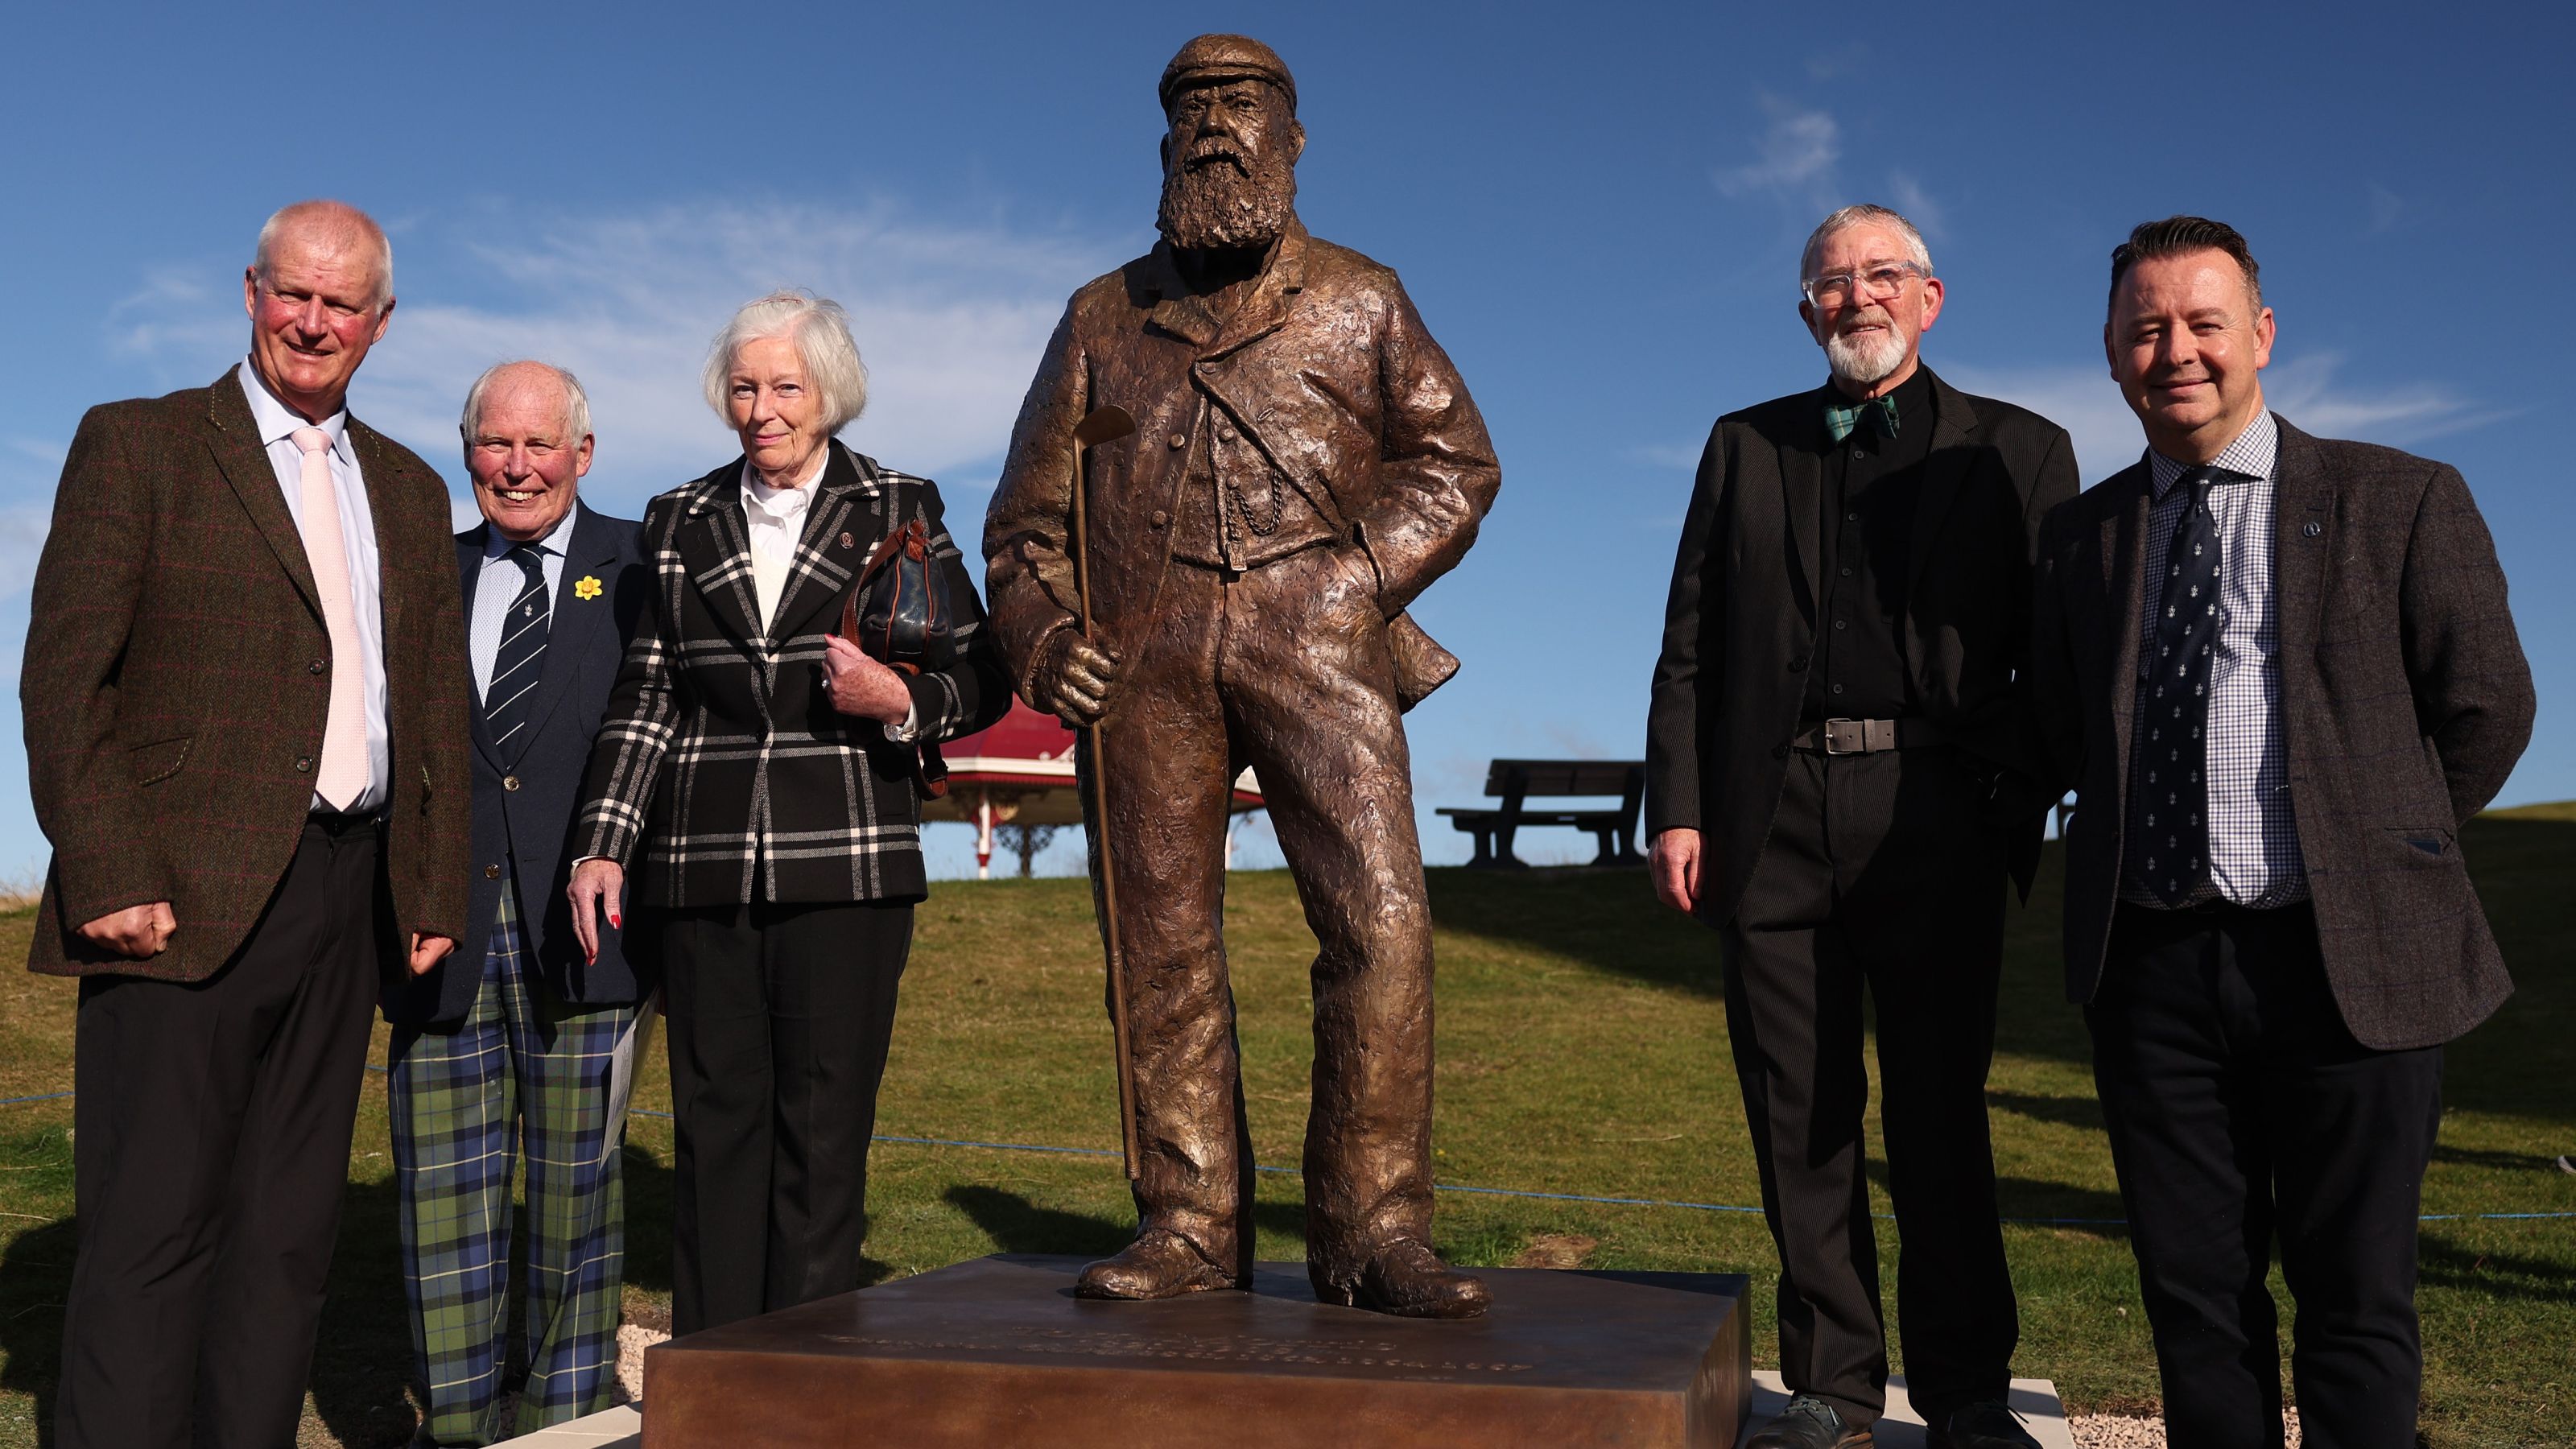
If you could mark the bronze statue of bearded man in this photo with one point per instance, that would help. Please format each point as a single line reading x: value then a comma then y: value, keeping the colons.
x: 1306, y: 462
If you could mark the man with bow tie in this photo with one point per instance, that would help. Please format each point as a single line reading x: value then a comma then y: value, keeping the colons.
x: 1839, y: 780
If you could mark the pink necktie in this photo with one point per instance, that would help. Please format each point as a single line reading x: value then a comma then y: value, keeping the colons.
x: 344, y: 739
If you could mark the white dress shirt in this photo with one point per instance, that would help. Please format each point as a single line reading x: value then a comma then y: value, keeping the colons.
x: 500, y: 583
x: 777, y: 522
x: 777, y: 519
x: 277, y: 424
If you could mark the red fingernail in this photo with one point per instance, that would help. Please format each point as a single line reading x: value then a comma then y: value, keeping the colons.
x: 621, y: 925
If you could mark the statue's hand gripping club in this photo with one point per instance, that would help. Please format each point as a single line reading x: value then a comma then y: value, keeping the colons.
x: 1078, y: 681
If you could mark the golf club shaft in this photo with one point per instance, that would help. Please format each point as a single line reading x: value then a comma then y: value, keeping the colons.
x: 1108, y: 870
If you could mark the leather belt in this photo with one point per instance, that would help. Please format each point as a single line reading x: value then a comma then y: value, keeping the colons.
x: 1869, y: 736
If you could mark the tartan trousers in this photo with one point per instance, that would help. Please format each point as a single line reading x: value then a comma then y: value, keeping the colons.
x: 522, y: 1070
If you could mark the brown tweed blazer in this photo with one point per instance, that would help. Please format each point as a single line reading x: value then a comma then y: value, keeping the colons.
x: 2404, y: 693
x: 177, y: 680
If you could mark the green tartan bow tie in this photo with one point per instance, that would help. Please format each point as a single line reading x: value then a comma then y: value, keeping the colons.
x: 1840, y: 420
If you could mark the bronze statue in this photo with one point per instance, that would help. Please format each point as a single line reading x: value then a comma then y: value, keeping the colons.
x: 1305, y: 461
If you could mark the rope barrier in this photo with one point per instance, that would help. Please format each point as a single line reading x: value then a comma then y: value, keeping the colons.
x: 1516, y: 1192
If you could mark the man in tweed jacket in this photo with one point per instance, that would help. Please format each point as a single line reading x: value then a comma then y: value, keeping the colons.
x: 245, y: 704
x: 2281, y: 674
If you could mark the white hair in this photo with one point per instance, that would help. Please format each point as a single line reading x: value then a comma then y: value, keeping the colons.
x: 821, y: 332
x: 1851, y: 216
x: 576, y: 407
x: 347, y: 216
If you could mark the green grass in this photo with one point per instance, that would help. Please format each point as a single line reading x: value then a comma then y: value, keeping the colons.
x: 1582, y: 1050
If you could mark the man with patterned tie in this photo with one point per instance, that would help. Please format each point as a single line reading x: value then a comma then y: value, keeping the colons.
x: 2280, y: 673
x: 516, y: 1037
x: 244, y: 694
x: 1838, y: 779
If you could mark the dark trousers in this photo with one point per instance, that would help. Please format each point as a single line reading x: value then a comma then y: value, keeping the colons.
x: 2240, y: 1108
x: 1284, y: 668
x: 211, y: 1151
x: 779, y: 1018
x: 1876, y: 874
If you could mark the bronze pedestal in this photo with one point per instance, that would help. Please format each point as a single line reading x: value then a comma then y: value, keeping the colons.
x: 999, y: 1352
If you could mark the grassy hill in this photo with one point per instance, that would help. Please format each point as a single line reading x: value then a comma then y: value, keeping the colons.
x: 1582, y: 1051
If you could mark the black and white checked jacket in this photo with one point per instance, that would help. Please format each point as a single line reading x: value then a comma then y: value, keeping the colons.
x: 722, y: 775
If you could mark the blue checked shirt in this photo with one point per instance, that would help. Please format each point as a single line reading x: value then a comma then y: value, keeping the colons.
x: 2253, y: 836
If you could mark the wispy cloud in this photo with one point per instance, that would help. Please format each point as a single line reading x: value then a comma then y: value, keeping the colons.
x: 2386, y: 207
x: 950, y: 317
x: 2306, y: 390
x: 1794, y: 158
x: 1908, y: 196
x: 1684, y: 456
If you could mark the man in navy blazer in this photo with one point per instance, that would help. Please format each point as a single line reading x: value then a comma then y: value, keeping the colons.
x: 516, y: 1031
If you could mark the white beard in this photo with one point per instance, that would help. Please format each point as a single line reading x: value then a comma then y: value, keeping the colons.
x: 1865, y: 359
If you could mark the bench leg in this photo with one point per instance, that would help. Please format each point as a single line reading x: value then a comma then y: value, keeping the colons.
x: 1483, y: 859
x: 1609, y: 852
x: 1503, y: 857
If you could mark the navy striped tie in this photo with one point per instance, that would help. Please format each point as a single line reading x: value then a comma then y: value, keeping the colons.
x: 512, y: 692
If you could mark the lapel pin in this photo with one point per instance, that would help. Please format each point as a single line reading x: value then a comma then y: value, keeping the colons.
x: 586, y: 588
x: 847, y: 541
x: 2312, y: 528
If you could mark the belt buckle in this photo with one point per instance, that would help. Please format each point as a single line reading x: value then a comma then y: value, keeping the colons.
x: 1846, y: 737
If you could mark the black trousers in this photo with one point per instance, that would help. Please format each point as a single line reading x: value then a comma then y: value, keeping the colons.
x: 1877, y: 874
x: 2241, y: 1109
x: 211, y: 1152
x: 779, y: 1018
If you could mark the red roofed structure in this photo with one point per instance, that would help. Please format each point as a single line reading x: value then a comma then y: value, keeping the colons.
x: 1020, y: 772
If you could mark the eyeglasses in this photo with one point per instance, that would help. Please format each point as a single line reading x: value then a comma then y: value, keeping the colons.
x: 1874, y: 282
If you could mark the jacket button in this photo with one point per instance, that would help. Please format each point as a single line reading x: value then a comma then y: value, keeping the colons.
x: 316, y: 667
x: 1798, y: 665
x: 1180, y: 440
x: 1226, y: 433
x: 1161, y: 518
x: 491, y: 872
x: 509, y: 782
x: 303, y: 764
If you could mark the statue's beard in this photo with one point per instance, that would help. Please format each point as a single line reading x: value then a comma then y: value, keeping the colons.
x: 1221, y: 204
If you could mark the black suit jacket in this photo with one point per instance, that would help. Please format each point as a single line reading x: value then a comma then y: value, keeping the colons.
x: 524, y: 801
x: 2405, y: 698
x: 1740, y: 625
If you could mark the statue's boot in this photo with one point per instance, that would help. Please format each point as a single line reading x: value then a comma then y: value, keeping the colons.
x: 1159, y: 1264
x: 1408, y: 1280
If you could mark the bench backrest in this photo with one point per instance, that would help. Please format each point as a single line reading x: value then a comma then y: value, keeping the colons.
x: 1515, y: 779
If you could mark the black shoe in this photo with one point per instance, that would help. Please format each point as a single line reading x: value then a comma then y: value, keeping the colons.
x: 1981, y: 1426
x: 1808, y: 1422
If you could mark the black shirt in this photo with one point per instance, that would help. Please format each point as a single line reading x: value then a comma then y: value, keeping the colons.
x: 1866, y: 529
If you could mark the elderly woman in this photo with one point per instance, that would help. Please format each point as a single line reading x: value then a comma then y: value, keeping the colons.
x: 751, y: 796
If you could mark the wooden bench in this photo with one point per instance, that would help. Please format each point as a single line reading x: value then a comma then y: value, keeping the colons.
x: 1516, y: 781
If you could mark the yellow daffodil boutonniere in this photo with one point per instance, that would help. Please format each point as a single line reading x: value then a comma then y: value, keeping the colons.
x: 586, y: 588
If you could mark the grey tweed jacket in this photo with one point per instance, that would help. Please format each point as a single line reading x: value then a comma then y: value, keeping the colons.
x: 2405, y: 699
x: 722, y: 775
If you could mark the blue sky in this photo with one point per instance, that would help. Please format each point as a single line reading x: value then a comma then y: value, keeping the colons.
x: 1597, y: 209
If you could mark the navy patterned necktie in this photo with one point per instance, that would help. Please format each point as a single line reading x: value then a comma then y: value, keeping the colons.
x: 2169, y: 823
x: 507, y: 699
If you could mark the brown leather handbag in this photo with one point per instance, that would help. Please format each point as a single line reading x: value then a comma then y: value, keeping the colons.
x: 898, y: 613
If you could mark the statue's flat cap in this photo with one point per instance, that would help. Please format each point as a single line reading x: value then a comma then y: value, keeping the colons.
x: 1216, y: 59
